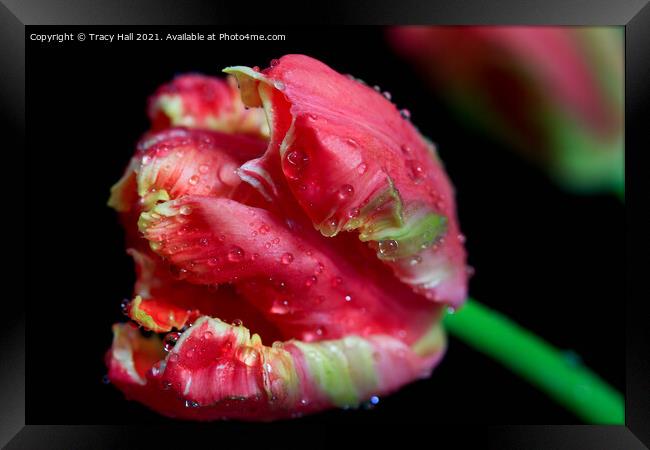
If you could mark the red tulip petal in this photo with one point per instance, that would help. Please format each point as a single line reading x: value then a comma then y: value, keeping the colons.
x: 308, y: 285
x: 354, y: 163
x: 199, y: 101
x: 162, y: 302
x: 218, y: 370
x: 178, y: 161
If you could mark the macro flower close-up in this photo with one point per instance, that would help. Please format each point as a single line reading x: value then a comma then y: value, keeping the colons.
x: 384, y: 225
x: 295, y: 247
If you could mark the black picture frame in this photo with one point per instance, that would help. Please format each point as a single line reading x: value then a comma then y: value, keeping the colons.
x: 633, y: 14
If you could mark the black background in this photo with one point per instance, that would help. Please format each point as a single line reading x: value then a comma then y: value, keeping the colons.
x: 550, y: 260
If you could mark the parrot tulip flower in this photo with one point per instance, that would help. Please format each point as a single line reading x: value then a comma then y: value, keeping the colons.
x: 554, y: 93
x: 286, y: 265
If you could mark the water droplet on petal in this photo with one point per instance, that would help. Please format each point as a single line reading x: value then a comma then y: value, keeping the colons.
x: 348, y: 298
x: 193, y: 180
x: 287, y: 258
x: 415, y: 171
x: 264, y: 228
x: 203, y: 168
x: 345, y: 192
x: 170, y: 341
x: 415, y: 260
x: 351, y: 142
x: 405, y: 113
x: 388, y: 247
x: 146, y: 159
x: 203, y: 242
x: 124, y: 306
x: 296, y: 162
x: 185, y: 210
x: 236, y: 254
x: 237, y: 322
x: 361, y: 168
x: 387, y: 95
x: 354, y: 212
x: 311, y: 281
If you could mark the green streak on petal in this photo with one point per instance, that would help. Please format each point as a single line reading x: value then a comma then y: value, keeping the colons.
x: 152, y: 198
x: 122, y: 197
x: 247, y: 79
x: 343, y: 370
x: 142, y: 317
x: 172, y: 106
x: 383, y: 211
x: 384, y: 219
x: 432, y: 342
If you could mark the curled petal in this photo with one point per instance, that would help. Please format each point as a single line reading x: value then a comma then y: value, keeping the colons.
x: 361, y: 165
x: 219, y: 370
x: 297, y: 278
x: 179, y: 161
x: 199, y: 101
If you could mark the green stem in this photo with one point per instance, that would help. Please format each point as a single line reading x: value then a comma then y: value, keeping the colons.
x: 571, y: 384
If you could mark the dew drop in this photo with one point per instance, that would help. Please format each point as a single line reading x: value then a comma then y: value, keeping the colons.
x: 387, y: 95
x: 274, y: 62
x: 415, y: 171
x: 203, y: 242
x: 279, y: 85
x: 185, y: 210
x: 286, y: 259
x: 146, y: 159
x: 237, y: 322
x: 415, y: 260
x: 351, y: 142
x: 236, y: 254
x: 191, y: 404
x: 264, y: 228
x: 345, y: 192
x: 405, y: 113
x: 280, y: 307
x: 170, y: 341
x: 193, y: 180
x: 461, y: 238
x: 361, y: 168
x: 348, y: 298
x: 354, y: 212
x: 319, y: 331
x: 213, y: 261
x: 203, y: 168
x: 405, y: 149
x: 124, y: 306
x: 311, y: 281
x: 388, y: 247
x: 296, y: 162
x: 207, y: 335
x: 319, y: 269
